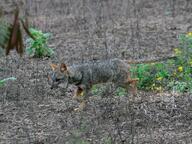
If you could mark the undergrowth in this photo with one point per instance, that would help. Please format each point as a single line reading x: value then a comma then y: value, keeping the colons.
x: 171, y: 75
x: 174, y: 74
x: 39, y: 46
x: 3, y: 81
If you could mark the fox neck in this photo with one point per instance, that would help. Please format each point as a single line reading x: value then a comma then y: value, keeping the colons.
x: 75, y: 78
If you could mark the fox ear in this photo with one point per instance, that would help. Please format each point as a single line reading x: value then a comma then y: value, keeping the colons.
x: 53, y: 66
x: 63, y: 67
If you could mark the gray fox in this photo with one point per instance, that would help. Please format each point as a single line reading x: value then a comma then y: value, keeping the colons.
x: 87, y: 74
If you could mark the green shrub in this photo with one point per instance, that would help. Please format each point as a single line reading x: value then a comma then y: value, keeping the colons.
x: 3, y: 81
x: 38, y: 47
x: 151, y: 76
x: 97, y: 89
x: 173, y: 75
x: 182, y: 75
x: 120, y: 92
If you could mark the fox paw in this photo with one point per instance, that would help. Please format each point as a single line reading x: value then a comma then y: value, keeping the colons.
x: 77, y: 109
x: 81, y: 107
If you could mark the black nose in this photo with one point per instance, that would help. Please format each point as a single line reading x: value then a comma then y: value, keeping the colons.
x: 56, y: 79
x: 52, y: 87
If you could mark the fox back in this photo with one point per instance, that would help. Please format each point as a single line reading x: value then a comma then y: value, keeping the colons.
x: 87, y: 74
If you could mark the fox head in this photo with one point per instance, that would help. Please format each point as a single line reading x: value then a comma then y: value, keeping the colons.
x: 59, y: 75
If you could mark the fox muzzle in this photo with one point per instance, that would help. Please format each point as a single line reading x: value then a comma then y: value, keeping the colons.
x: 55, y: 82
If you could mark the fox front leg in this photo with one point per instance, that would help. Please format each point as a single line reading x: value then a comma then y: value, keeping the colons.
x: 133, y: 86
x: 81, y: 106
x: 79, y: 93
x: 80, y: 96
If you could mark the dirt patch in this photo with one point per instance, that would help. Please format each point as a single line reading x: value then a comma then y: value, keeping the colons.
x: 33, y: 113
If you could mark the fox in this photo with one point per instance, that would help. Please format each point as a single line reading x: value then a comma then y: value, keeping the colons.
x: 85, y: 75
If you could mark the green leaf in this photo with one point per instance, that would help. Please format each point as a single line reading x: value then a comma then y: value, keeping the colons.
x: 39, y: 45
x: 3, y: 81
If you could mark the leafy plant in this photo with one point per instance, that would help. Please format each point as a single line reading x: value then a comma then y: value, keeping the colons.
x: 107, y: 140
x: 76, y: 137
x: 95, y: 90
x: 98, y: 89
x: 120, y: 91
x: 173, y: 75
x: 182, y: 75
x: 3, y: 81
x: 178, y: 86
x: 38, y: 47
x: 151, y: 76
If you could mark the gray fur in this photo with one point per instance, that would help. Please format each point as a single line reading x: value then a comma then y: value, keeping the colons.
x: 114, y: 70
x: 87, y: 74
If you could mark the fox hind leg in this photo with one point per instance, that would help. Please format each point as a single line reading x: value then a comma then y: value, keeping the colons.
x: 131, y: 87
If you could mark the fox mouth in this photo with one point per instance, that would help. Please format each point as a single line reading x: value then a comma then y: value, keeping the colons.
x: 55, y: 82
x: 59, y: 84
